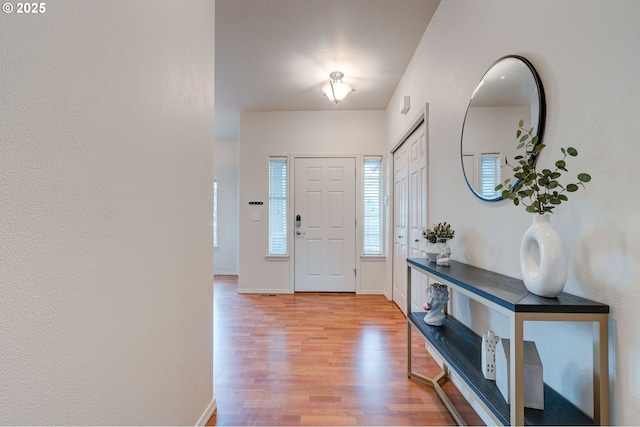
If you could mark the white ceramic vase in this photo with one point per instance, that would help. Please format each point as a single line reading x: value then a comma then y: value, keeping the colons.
x: 432, y: 252
x: 543, y: 259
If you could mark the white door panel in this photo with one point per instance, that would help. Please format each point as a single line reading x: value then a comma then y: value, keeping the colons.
x: 410, y: 217
x: 325, y: 250
x: 400, y: 228
x: 417, y: 210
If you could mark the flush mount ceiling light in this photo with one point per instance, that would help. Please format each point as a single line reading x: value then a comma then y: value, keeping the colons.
x: 336, y: 90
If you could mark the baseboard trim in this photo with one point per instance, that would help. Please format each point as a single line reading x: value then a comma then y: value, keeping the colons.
x: 477, y: 405
x: 211, y: 408
x: 264, y: 291
x: 287, y: 291
x: 371, y: 292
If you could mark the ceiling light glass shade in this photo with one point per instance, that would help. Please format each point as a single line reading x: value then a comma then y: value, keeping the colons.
x: 336, y: 90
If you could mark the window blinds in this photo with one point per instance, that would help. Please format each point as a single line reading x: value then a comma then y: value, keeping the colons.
x: 490, y: 174
x: 215, y: 212
x: 372, y: 211
x: 278, y: 206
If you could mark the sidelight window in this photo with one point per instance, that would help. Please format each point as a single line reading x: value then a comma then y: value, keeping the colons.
x: 490, y: 174
x: 372, y: 210
x: 215, y: 212
x: 277, y: 206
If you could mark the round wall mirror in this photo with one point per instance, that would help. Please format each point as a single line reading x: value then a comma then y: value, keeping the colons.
x: 509, y: 91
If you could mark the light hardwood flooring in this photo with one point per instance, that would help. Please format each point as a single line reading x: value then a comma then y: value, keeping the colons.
x: 319, y: 359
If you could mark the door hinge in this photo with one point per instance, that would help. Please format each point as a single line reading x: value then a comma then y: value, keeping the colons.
x: 355, y: 222
x: 355, y: 272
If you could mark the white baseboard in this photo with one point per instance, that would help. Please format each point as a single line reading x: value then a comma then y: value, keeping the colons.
x: 287, y: 291
x: 475, y: 402
x: 225, y: 273
x: 211, y: 408
x: 264, y: 291
x: 370, y: 292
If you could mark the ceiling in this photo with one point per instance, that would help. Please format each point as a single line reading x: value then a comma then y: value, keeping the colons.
x: 275, y: 55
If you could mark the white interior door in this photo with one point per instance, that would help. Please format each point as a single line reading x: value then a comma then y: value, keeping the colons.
x: 325, y: 240
x: 400, y: 219
x: 410, y: 217
x: 417, y: 211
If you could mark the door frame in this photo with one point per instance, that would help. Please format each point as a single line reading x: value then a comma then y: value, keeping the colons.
x: 421, y: 117
x: 358, y: 191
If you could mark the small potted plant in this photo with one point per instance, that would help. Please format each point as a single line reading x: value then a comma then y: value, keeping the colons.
x: 543, y: 260
x: 438, y: 237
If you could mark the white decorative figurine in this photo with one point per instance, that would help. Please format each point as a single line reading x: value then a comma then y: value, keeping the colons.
x: 489, y: 343
x: 437, y: 297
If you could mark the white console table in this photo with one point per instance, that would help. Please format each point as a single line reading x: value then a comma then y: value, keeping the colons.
x: 459, y: 347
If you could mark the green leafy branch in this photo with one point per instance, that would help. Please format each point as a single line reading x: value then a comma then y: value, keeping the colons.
x: 539, y: 192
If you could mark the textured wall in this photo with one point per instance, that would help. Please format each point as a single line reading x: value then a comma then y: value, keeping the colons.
x: 586, y: 53
x: 106, y: 138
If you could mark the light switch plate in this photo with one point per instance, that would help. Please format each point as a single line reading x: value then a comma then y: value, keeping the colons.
x: 255, y: 216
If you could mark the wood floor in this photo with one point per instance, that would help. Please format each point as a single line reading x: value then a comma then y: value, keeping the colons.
x: 319, y: 359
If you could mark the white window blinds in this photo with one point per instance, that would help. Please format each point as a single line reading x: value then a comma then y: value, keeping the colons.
x: 490, y: 174
x: 277, y: 206
x: 215, y: 212
x: 372, y: 210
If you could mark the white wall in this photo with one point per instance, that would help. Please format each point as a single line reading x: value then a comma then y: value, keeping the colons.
x: 226, y: 171
x: 105, y: 221
x: 586, y: 53
x: 264, y: 134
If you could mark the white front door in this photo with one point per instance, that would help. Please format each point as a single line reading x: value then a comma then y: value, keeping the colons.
x: 325, y: 237
x: 400, y: 217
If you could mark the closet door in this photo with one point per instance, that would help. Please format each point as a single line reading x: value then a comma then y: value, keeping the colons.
x: 410, y: 216
x: 417, y: 211
x: 400, y: 217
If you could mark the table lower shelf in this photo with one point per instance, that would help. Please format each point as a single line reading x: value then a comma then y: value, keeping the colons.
x: 460, y: 348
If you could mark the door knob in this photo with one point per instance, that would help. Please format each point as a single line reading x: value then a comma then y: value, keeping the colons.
x: 417, y: 240
x: 299, y: 233
x: 400, y: 237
